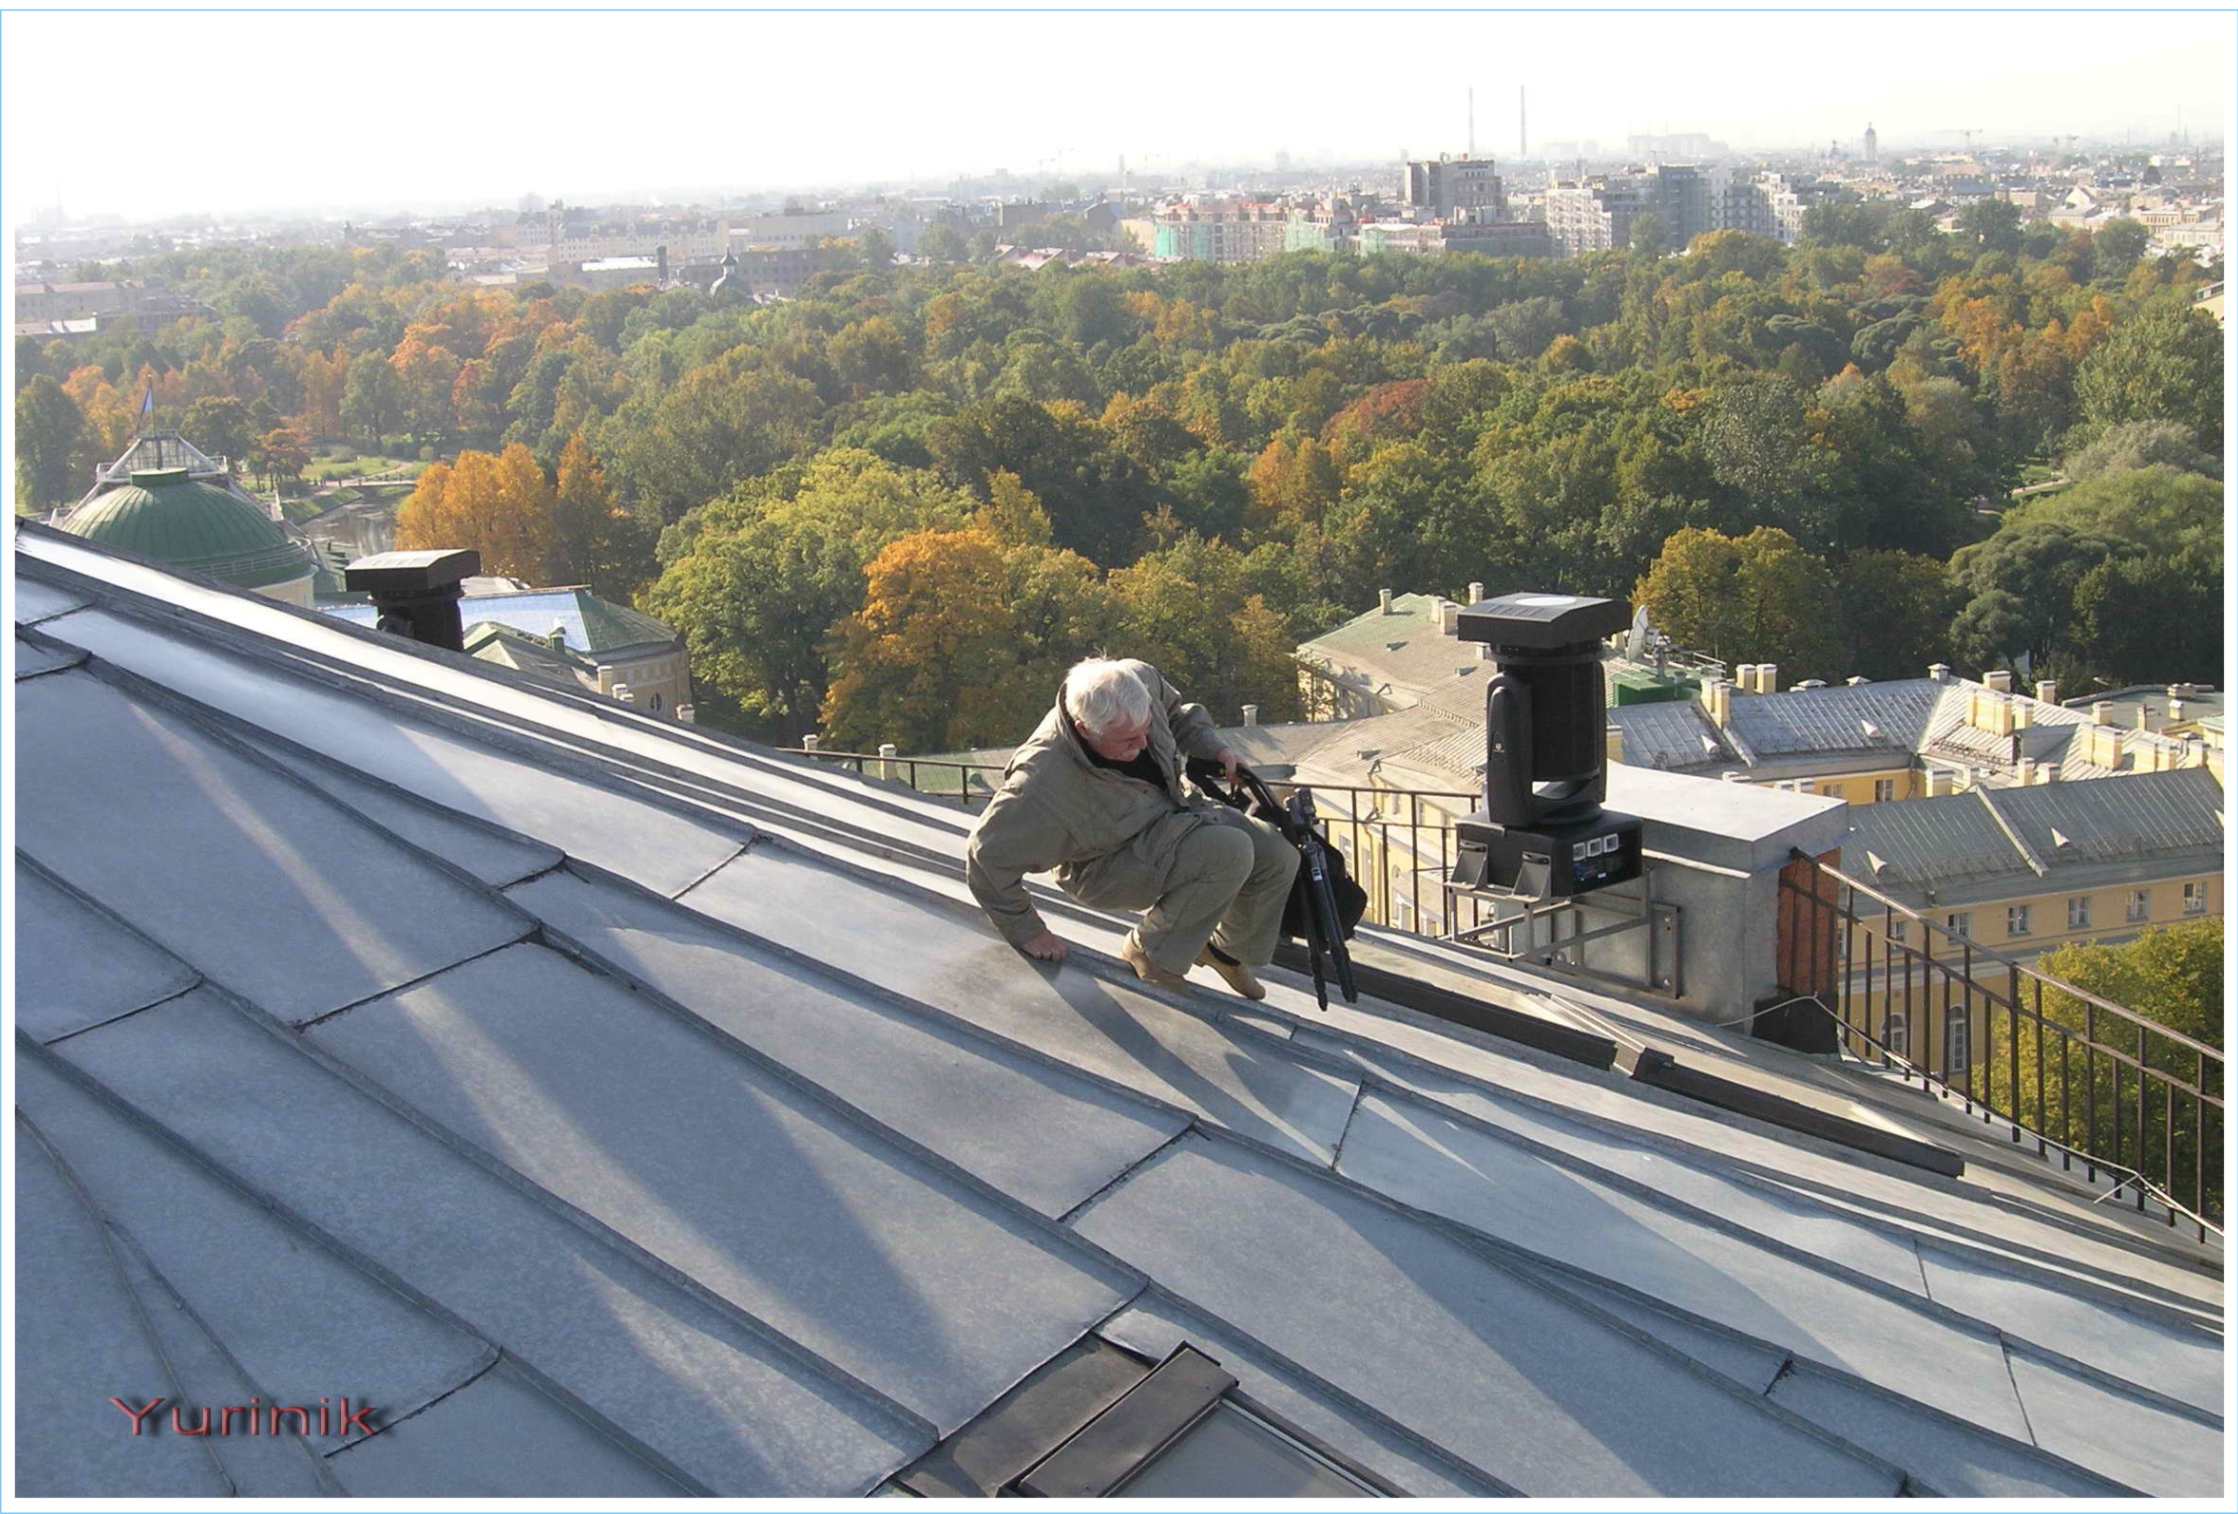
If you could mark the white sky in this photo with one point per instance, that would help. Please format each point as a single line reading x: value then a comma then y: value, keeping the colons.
x: 340, y: 111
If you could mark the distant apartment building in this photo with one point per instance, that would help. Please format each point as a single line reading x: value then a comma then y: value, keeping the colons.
x: 1692, y: 144
x: 800, y: 229
x: 1450, y: 188
x: 1221, y: 231
x: 1596, y: 213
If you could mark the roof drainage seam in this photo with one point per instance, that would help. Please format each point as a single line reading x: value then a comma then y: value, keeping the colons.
x: 533, y: 933
x: 482, y: 1369
x: 84, y: 900
x: 2113, y: 1383
x: 1349, y: 1403
x: 871, y: 1399
x: 108, y: 1234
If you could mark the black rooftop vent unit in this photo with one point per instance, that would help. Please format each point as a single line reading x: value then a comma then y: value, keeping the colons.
x: 1542, y: 832
x: 418, y: 593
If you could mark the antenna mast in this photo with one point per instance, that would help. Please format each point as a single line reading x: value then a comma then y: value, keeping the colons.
x: 1472, y: 123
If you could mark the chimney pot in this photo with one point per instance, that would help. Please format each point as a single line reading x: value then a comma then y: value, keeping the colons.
x: 2102, y: 712
x: 2027, y: 769
x: 1476, y: 593
x: 1767, y: 678
x: 2047, y: 690
x: 1939, y: 672
x: 1744, y: 678
x: 2175, y: 711
x: 418, y: 592
x: 1449, y: 617
x: 1250, y: 714
x: 1856, y: 682
x: 2000, y: 679
x: 808, y: 742
x: 687, y: 714
x: 2144, y: 716
x: 622, y: 694
x: 1383, y: 602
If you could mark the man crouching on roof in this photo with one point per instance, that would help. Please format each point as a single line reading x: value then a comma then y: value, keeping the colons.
x: 1095, y: 793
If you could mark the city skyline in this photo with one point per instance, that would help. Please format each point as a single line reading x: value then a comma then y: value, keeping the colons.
x: 584, y: 106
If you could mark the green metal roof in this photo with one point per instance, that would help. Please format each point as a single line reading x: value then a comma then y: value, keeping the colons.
x: 166, y: 517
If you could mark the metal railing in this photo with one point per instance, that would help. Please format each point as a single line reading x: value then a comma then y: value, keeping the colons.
x: 2087, y: 1080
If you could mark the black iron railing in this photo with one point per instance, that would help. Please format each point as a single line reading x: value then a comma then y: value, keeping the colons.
x: 2088, y: 1081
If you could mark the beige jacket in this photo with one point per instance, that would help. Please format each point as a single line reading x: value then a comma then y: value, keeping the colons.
x: 1056, y: 808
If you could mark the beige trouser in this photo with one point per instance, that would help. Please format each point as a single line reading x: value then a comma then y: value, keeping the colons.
x: 1201, y: 874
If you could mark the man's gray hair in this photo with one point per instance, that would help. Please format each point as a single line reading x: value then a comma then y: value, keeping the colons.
x: 1104, y: 695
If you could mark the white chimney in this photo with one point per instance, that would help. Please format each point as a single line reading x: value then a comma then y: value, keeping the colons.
x: 2022, y: 714
x: 808, y: 742
x: 1449, y: 617
x: 1938, y: 783
x: 2144, y: 716
x: 1484, y: 651
x: 2102, y: 712
x: 687, y: 714
x: 1855, y: 682
x: 1383, y: 602
x: 2027, y: 772
x: 2175, y: 711
x: 1767, y: 678
x: 2000, y: 679
x: 1250, y: 714
x: 2047, y: 690
x: 886, y: 751
x: 622, y: 694
x: 1476, y: 593
x: 1744, y: 678
x: 1939, y: 672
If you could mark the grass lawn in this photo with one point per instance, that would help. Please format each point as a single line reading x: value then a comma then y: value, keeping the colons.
x: 343, y: 462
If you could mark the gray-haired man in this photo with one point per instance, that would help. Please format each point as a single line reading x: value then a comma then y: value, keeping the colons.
x: 1095, y: 794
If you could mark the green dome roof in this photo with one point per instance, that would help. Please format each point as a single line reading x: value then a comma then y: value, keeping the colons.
x: 166, y: 517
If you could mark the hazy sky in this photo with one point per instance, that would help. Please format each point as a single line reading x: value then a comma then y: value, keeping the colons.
x: 151, y: 114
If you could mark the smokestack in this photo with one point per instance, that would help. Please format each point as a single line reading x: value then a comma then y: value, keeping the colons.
x: 2000, y: 679
x: 1939, y: 672
x: 1476, y: 593
x: 1383, y: 601
x: 1250, y: 714
x: 1767, y: 678
x: 2047, y: 690
x: 417, y: 592
x: 2102, y: 712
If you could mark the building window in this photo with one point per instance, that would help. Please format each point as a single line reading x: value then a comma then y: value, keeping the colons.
x: 2078, y: 912
x: 2016, y: 920
x: 1960, y: 925
x: 654, y: 704
x: 2140, y: 905
x: 1957, y: 1051
x: 1897, y: 930
x: 1884, y: 790
x: 1898, y: 1033
x: 2195, y: 898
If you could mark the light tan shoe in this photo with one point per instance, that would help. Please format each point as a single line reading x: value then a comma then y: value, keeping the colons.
x: 1239, y: 977
x: 1145, y: 969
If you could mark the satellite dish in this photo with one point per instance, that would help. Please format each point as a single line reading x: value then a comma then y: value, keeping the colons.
x: 1635, y: 642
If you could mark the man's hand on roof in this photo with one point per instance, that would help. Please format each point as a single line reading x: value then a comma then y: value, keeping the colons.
x: 1046, y: 946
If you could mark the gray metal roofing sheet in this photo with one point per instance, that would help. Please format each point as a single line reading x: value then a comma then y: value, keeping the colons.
x: 2162, y: 1451
x: 814, y: 1224
x: 1533, y: 1389
x: 32, y: 659
x: 35, y: 601
x: 1948, y: 1458
x: 1031, y: 1129
x: 696, y: 1384
x: 76, y: 966
x: 2116, y: 819
x: 187, y: 838
x: 1669, y: 735
x: 497, y: 1437
x: 299, y: 1318
x: 625, y: 835
x: 1425, y: 1159
x: 1930, y: 840
x: 944, y: 955
x: 83, y: 1344
x: 258, y: 1466
x: 1833, y: 719
x: 476, y: 847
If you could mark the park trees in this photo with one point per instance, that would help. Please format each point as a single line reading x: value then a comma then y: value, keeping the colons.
x: 500, y: 505
x: 47, y: 430
x: 1754, y: 598
x: 2162, y: 364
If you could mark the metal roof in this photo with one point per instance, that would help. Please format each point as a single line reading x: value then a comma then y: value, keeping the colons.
x: 626, y: 1110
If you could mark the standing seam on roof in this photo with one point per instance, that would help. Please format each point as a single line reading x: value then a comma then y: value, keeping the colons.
x: 528, y: 936
x: 743, y: 848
